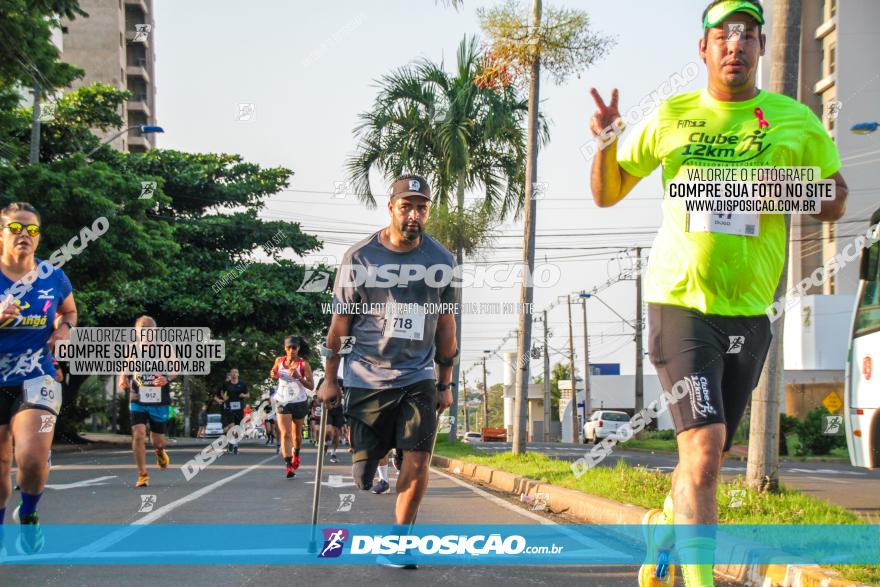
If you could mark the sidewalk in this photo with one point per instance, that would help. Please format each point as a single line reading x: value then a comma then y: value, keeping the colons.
x: 97, y: 441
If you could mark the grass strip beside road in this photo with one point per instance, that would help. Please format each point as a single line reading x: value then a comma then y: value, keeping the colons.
x: 640, y: 486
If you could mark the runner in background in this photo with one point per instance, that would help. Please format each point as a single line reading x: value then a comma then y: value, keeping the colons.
x: 335, y: 423
x: 711, y: 277
x: 149, y: 404
x: 203, y: 421
x: 234, y: 398
x: 294, y: 376
x: 315, y: 419
x: 30, y: 394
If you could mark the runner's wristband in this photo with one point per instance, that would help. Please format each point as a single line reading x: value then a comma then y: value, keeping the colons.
x: 446, y: 362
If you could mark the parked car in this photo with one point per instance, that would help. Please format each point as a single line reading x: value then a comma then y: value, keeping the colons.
x: 494, y: 434
x: 214, y: 427
x: 603, y: 423
x: 472, y: 437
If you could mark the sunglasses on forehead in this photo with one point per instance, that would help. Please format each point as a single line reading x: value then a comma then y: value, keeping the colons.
x: 17, y: 227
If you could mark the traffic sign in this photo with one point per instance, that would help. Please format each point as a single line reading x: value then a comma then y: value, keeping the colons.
x: 832, y: 402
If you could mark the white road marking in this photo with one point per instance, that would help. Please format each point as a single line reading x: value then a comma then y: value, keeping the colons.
x: 87, y: 483
x: 120, y: 535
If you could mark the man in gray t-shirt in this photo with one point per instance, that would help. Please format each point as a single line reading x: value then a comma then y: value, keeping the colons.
x: 394, y: 305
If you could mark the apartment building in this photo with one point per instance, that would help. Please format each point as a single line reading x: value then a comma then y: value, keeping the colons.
x: 114, y: 45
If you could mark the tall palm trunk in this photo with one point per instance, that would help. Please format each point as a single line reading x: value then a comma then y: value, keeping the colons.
x: 524, y: 332
x: 762, y: 471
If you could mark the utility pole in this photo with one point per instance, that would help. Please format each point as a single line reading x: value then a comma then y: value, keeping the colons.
x: 575, y: 435
x: 35, y: 125
x: 640, y: 321
x: 524, y: 333
x: 762, y: 471
x: 485, y: 397
x: 111, y: 381
x: 187, y: 407
x: 547, y: 393
x: 587, y: 402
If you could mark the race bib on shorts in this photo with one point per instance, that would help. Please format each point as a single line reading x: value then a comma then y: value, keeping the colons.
x: 43, y: 391
x: 150, y: 394
x: 410, y: 325
x: 738, y: 224
x: 234, y: 406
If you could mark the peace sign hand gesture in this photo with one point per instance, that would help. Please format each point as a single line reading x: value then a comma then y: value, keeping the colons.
x: 606, y: 115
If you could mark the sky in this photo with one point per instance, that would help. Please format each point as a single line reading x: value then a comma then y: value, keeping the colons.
x: 309, y: 69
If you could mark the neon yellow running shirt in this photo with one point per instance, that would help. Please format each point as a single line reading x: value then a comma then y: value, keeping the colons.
x: 716, y: 273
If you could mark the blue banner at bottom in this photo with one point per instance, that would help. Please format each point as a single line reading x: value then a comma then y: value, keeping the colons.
x: 476, y: 544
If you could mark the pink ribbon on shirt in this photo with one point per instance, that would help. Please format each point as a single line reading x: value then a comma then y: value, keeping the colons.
x: 762, y: 122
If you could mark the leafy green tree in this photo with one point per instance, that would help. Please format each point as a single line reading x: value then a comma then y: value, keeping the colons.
x: 196, y: 253
x: 28, y: 58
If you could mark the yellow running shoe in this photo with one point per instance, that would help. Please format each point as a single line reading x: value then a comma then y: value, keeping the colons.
x: 657, y: 571
x: 143, y: 481
x: 162, y: 459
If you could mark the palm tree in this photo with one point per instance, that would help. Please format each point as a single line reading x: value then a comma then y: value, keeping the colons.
x: 460, y: 136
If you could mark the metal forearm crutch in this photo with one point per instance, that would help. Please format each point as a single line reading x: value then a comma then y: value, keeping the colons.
x: 319, y: 467
x: 316, y: 496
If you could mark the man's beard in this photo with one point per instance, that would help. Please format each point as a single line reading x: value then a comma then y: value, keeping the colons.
x: 410, y: 233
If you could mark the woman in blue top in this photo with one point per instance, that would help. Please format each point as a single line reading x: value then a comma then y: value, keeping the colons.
x: 36, y: 310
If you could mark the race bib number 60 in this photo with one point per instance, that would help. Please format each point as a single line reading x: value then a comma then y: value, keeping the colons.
x: 43, y: 391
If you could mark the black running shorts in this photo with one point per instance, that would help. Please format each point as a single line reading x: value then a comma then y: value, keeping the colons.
x: 297, y: 410
x: 11, y: 404
x: 382, y: 419
x: 719, y: 358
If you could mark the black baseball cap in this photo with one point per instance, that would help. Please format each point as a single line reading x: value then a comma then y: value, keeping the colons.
x: 410, y: 185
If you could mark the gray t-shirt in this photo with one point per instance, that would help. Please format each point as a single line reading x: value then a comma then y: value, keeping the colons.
x: 396, y: 299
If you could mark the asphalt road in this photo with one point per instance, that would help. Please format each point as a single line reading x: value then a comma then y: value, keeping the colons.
x: 97, y: 487
x: 851, y: 487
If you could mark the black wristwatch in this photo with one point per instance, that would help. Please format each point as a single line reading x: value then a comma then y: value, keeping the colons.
x: 443, y: 386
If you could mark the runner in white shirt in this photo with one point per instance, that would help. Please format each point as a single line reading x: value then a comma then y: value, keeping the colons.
x: 294, y: 377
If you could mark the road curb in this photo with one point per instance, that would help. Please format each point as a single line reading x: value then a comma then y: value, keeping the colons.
x: 593, y: 509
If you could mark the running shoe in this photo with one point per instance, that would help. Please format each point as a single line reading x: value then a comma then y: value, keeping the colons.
x: 333, y: 458
x: 295, y: 462
x: 397, y: 561
x: 235, y: 449
x: 143, y: 480
x: 657, y: 571
x: 30, y: 537
x: 397, y: 459
x: 381, y: 487
x: 162, y: 459
x: 291, y: 471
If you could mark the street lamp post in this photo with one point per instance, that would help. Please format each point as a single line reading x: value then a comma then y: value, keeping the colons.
x: 864, y: 128
x: 144, y: 129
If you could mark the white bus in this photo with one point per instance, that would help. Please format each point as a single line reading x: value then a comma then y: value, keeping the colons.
x: 862, y: 396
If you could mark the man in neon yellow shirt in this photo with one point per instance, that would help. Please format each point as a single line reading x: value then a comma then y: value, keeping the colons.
x: 709, y: 284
